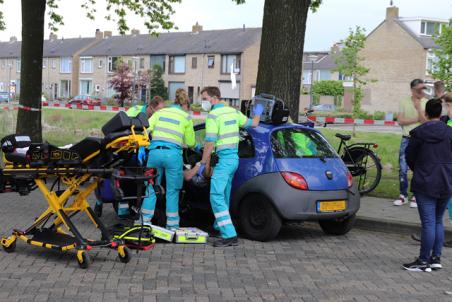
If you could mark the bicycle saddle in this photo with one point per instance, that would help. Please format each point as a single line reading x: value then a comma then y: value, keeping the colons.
x: 343, y: 136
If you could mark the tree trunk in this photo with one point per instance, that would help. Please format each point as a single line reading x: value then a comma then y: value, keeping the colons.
x: 281, y: 53
x: 29, y: 116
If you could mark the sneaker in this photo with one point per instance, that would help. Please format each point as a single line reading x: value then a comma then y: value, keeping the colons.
x: 224, y: 242
x: 417, y: 266
x: 413, y: 203
x: 400, y: 201
x: 435, y: 263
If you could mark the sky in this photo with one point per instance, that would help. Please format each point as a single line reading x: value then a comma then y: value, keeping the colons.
x: 328, y: 25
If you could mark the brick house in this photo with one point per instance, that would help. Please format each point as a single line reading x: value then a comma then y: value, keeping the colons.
x: 190, y: 60
x: 397, y: 51
x: 60, y: 65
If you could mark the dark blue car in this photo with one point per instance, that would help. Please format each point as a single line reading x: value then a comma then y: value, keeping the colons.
x: 286, y: 173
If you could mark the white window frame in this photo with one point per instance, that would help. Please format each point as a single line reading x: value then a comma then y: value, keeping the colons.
x: 101, y: 63
x: 84, y: 67
x: 63, y: 61
x: 61, y: 87
x: 226, y: 63
x: 54, y: 63
x: 18, y: 65
x: 110, y: 66
x: 425, y: 23
x: 80, y: 86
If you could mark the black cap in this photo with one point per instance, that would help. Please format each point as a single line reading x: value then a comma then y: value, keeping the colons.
x: 416, y: 82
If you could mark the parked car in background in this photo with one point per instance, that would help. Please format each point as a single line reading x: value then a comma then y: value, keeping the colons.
x: 4, y: 96
x: 85, y: 100
x: 324, y: 107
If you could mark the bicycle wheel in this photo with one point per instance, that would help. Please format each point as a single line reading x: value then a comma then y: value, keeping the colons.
x: 365, y: 168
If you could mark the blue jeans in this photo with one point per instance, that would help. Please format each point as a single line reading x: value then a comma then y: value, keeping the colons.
x: 431, y: 212
x: 403, y: 167
x: 450, y: 209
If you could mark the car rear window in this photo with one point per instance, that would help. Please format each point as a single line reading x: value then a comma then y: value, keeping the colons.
x: 300, y: 143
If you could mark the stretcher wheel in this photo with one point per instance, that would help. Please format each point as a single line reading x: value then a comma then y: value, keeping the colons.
x: 83, y: 259
x: 124, y: 254
x: 11, y: 248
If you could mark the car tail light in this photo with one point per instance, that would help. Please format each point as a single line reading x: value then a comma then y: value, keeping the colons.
x: 295, y: 180
x: 349, y: 179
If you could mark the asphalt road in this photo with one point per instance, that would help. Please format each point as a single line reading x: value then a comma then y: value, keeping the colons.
x: 302, y: 264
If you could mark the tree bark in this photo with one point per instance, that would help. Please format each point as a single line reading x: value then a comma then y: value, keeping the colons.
x: 29, y: 118
x: 281, y: 53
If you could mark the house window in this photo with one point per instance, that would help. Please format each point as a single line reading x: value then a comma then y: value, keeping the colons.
x: 428, y: 28
x: 177, y: 64
x: 86, y: 64
x: 44, y: 63
x: 141, y: 63
x: 194, y: 62
x: 86, y: 87
x: 432, y: 59
x: 17, y: 65
x: 211, y: 61
x: 101, y: 63
x: 65, y: 88
x: 324, y: 75
x: 306, y: 77
x: 3, y: 66
x: 229, y: 61
x: 53, y: 63
x: 66, y: 65
x: 158, y: 60
x: 113, y: 63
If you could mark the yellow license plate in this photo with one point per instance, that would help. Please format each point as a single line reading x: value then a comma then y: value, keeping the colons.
x: 332, y: 206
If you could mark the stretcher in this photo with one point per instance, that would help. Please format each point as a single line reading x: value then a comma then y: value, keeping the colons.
x: 75, y: 173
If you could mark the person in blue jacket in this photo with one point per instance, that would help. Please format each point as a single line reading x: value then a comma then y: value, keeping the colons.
x: 429, y: 156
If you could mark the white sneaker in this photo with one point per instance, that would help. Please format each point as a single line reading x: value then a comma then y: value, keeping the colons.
x: 413, y: 203
x: 402, y: 200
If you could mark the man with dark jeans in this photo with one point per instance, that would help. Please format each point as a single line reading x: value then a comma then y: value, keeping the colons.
x: 429, y: 155
x: 411, y: 115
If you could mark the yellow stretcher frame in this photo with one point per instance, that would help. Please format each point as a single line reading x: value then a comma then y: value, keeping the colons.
x: 60, y: 207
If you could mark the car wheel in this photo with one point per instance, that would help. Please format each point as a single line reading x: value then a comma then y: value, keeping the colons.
x: 258, y: 219
x: 338, y: 226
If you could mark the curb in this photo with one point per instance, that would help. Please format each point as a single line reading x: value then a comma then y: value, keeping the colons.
x: 391, y: 226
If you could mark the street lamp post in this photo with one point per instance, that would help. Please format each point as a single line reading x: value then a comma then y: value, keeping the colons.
x: 134, y: 76
x: 312, y: 58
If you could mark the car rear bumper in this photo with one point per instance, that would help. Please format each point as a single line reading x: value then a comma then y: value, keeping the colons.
x: 294, y: 204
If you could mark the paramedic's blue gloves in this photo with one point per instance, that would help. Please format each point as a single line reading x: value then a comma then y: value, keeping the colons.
x: 201, y: 169
x: 258, y: 109
x: 142, y: 156
x: 198, y: 148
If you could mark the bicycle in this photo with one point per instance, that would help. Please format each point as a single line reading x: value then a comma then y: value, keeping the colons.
x: 362, y: 162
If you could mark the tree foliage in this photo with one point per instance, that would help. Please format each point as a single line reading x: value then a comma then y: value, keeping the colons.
x: 442, y: 68
x: 330, y: 87
x: 122, y: 82
x: 349, y: 63
x: 157, y: 83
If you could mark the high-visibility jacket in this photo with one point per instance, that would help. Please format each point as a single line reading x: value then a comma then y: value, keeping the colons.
x: 172, y: 125
x: 222, y: 126
x: 135, y: 110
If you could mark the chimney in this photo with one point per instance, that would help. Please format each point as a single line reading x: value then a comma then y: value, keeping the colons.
x: 196, y: 28
x: 13, y: 39
x: 135, y: 32
x: 107, y: 34
x: 392, y: 13
x: 99, y: 34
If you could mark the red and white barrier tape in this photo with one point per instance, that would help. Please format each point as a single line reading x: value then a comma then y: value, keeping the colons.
x: 351, y: 121
x: 202, y: 115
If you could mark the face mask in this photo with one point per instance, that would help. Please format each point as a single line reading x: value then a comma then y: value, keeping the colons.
x: 206, y: 106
